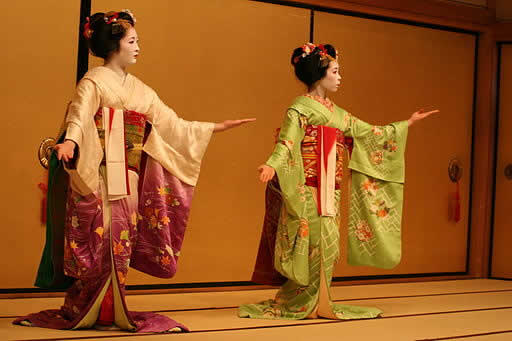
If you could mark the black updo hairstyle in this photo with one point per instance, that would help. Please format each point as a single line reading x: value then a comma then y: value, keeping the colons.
x: 310, y: 68
x: 104, y: 31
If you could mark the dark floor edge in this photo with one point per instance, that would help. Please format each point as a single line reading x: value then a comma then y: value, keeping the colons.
x: 466, y: 336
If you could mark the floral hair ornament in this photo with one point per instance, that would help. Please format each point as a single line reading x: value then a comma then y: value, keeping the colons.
x: 118, y: 25
x: 87, y: 29
x: 111, y: 17
x: 310, y: 48
x: 130, y: 13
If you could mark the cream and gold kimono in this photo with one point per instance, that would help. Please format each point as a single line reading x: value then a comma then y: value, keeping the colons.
x: 131, y: 185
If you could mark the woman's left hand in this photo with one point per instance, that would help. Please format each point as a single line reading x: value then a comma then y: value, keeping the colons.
x: 419, y: 115
x: 231, y: 124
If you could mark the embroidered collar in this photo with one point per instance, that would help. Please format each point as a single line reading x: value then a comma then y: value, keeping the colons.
x: 324, y: 101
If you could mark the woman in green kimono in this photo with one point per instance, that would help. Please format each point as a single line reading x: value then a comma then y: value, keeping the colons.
x: 300, y: 240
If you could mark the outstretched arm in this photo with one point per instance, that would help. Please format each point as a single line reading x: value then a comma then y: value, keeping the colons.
x: 419, y: 115
x: 231, y: 124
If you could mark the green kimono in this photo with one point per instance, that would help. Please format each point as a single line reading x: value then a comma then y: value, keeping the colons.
x: 307, y: 243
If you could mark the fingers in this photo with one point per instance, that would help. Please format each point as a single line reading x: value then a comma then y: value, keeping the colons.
x: 263, y: 177
x: 247, y: 120
x: 62, y: 155
x: 431, y: 112
x: 265, y: 174
x: 240, y: 122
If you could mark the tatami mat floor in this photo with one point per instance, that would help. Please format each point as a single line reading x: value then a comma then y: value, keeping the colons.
x: 473, y: 310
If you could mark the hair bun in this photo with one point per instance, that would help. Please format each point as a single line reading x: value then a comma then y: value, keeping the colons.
x: 311, y: 61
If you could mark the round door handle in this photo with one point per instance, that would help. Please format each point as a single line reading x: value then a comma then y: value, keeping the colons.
x: 455, y: 170
x: 508, y: 172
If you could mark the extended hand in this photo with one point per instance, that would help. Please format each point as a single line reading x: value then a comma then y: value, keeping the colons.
x: 231, y: 124
x: 419, y: 115
x: 266, y: 173
x: 65, y: 150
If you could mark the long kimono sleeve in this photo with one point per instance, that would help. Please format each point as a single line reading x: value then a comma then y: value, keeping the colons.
x: 178, y: 145
x: 292, y: 248
x: 286, y: 159
x: 83, y: 106
x: 378, y: 175
x: 82, y: 130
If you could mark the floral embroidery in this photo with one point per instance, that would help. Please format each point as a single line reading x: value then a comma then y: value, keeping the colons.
x: 74, y: 221
x: 152, y: 217
x: 302, y: 191
x: 347, y: 119
x: 303, y: 121
x: 165, y: 220
x: 153, y: 221
x: 390, y: 146
x: 134, y: 218
x: 163, y: 190
x: 165, y: 260
x: 170, y: 200
x: 377, y: 131
x: 326, y: 102
x: 304, y: 228
x: 122, y: 277
x: 125, y: 235
x: 370, y: 186
x: 118, y: 248
x: 300, y: 290
x: 301, y: 188
x: 376, y: 157
x: 73, y: 245
x: 288, y: 143
x: 99, y: 231
x: 363, y: 231
x: 169, y: 250
x: 379, y: 208
x: 272, y: 312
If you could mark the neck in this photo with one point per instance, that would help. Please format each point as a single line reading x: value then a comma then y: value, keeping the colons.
x: 318, y: 91
x: 120, y: 70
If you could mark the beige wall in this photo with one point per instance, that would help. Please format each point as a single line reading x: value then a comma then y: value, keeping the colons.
x: 38, y: 62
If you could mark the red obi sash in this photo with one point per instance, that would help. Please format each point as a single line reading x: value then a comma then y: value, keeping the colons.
x: 121, y: 135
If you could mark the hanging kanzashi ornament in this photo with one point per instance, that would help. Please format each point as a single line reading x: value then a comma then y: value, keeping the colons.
x: 310, y: 48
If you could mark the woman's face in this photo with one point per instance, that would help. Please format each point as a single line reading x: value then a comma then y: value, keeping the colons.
x: 128, y: 48
x: 332, y: 78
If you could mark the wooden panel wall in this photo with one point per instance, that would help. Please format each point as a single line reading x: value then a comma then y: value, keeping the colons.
x: 502, y: 253
x: 389, y: 71
x: 38, y: 78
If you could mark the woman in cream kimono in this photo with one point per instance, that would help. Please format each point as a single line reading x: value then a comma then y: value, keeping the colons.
x: 132, y: 165
x: 300, y: 240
